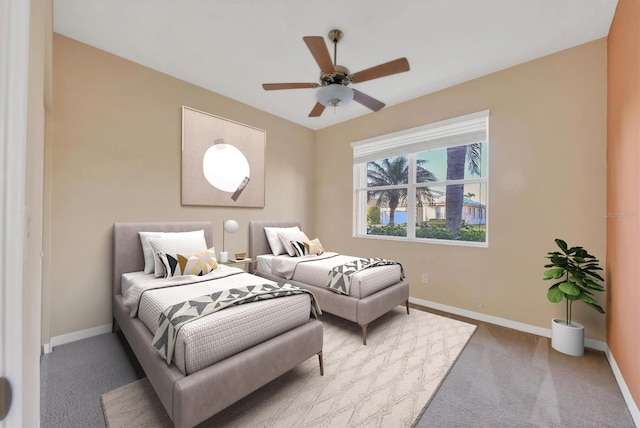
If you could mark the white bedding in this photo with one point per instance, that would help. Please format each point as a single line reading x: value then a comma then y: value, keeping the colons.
x: 314, y: 270
x: 128, y: 279
x: 222, y: 334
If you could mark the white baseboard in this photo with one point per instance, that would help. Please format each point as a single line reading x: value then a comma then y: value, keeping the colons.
x: 527, y: 328
x: 46, y: 348
x: 631, y: 404
x: 75, y: 336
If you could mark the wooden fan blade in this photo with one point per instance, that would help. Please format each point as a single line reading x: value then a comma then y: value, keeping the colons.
x: 275, y: 86
x: 317, y: 110
x: 320, y: 53
x: 367, y: 101
x: 388, y: 68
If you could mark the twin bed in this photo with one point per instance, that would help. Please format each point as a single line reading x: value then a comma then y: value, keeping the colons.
x: 222, y: 357
x: 198, y: 384
x: 374, y: 291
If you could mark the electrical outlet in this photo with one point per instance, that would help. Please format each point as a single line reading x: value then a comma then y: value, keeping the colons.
x: 425, y: 278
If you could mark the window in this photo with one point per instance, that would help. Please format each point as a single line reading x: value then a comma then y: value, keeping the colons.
x: 425, y: 184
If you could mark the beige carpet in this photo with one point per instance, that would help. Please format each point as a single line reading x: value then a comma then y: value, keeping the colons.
x: 386, y: 383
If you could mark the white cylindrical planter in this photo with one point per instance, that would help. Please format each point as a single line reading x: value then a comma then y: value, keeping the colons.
x: 223, y: 256
x: 567, y: 338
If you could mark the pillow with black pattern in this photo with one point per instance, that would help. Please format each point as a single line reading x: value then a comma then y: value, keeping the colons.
x: 199, y: 263
x: 150, y: 258
x: 313, y: 247
x: 178, y: 243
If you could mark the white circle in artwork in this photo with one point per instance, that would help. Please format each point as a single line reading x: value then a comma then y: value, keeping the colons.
x: 225, y: 167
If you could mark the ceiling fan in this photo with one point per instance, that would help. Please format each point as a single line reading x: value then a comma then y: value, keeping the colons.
x: 333, y: 89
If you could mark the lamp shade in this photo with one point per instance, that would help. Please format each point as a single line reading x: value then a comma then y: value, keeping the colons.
x: 230, y: 226
x: 334, y: 95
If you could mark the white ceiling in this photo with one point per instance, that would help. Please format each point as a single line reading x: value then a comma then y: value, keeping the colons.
x: 231, y: 47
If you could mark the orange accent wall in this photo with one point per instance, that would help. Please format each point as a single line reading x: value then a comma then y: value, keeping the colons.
x: 623, y: 192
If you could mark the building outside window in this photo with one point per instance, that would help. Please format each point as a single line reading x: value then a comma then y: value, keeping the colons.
x: 426, y: 184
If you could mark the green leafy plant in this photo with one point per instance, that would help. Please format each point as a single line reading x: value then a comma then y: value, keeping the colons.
x: 373, y: 215
x: 577, y: 271
x: 388, y: 230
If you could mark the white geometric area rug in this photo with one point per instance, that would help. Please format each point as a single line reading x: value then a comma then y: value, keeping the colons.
x: 386, y: 383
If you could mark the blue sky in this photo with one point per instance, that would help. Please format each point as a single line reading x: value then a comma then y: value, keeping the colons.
x: 437, y: 162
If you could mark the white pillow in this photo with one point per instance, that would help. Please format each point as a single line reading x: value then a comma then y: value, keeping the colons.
x: 286, y: 236
x: 173, y: 245
x: 274, y: 241
x: 149, y: 260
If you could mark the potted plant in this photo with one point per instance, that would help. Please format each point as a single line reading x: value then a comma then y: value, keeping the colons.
x: 577, y: 273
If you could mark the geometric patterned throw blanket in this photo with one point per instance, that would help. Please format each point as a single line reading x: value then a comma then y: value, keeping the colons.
x: 339, y: 279
x: 174, y: 317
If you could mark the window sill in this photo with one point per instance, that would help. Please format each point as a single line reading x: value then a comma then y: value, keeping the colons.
x: 474, y: 244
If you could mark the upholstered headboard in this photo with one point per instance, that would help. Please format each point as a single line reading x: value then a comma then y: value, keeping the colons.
x: 258, y: 243
x: 127, y: 249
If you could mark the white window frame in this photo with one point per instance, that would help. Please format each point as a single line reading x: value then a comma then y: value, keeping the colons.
x: 452, y: 132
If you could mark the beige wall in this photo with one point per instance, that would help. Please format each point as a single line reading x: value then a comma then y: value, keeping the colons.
x: 623, y: 156
x: 116, y: 157
x: 547, y: 166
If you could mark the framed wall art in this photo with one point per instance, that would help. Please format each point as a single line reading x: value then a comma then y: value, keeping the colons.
x: 222, y: 161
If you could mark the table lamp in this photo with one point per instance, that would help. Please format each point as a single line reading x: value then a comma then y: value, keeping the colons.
x: 228, y: 226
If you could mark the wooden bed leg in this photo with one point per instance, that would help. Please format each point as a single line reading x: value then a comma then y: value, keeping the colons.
x: 321, y: 363
x: 364, y: 334
x: 407, y: 303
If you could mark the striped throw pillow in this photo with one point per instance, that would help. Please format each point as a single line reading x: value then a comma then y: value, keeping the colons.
x: 313, y: 247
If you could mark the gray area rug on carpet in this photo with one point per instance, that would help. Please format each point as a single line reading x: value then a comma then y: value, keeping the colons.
x: 388, y: 382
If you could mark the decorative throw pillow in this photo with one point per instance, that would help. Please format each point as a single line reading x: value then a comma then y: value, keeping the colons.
x: 286, y: 236
x: 147, y: 251
x: 300, y: 248
x: 174, y: 244
x: 198, y: 263
x: 274, y: 241
x: 314, y: 247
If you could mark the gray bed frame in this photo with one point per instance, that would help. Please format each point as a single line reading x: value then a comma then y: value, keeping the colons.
x: 362, y: 311
x: 194, y: 398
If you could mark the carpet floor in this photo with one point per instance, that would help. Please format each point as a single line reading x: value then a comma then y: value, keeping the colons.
x: 75, y: 375
x: 507, y: 378
x: 386, y: 383
x: 496, y: 382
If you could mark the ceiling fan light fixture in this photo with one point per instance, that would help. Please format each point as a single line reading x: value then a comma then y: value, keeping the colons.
x: 334, y: 95
x: 332, y: 89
